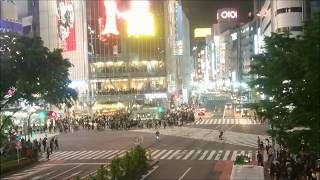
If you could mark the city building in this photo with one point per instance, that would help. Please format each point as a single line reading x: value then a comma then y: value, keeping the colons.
x: 125, y: 54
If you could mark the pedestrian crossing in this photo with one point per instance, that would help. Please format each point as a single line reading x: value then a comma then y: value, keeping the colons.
x: 156, y: 154
x: 226, y: 121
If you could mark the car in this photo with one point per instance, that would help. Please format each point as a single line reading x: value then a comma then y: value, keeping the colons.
x: 245, y: 113
x: 238, y: 109
x: 228, y: 106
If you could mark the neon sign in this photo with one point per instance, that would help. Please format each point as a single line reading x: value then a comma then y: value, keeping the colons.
x: 228, y: 15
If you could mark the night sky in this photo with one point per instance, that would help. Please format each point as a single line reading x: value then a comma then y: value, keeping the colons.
x: 202, y: 13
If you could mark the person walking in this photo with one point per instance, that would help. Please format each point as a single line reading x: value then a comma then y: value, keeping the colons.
x: 51, y: 144
x: 44, y: 143
x: 48, y: 153
x: 56, y: 143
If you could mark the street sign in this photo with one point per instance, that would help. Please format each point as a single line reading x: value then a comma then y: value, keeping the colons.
x: 18, y: 145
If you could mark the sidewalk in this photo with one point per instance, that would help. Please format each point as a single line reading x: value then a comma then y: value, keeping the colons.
x: 40, y: 135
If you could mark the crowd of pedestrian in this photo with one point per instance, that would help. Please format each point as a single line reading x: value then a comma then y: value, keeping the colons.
x: 283, y: 165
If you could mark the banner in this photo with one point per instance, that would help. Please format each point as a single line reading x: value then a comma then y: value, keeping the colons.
x: 66, y: 25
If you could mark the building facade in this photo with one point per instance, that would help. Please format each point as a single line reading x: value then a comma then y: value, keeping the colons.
x: 121, y: 51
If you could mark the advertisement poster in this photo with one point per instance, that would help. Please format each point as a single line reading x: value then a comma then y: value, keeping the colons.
x: 66, y: 25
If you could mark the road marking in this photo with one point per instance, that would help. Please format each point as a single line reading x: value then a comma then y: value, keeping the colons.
x: 155, y: 152
x: 149, y: 172
x: 116, y: 154
x: 218, y: 155
x: 46, y: 174
x: 206, y: 121
x: 65, y: 172
x: 88, y: 154
x: 56, y: 154
x: 63, y: 155
x: 188, y: 155
x: 196, y: 154
x: 167, y: 154
x: 97, y: 154
x: 203, y: 155
x: 234, y: 155
x: 97, y: 157
x: 110, y: 154
x: 159, y: 154
x: 185, y: 173
x: 181, y: 154
x: 72, y: 175
x: 211, y: 155
x: 174, y: 154
x: 75, y: 155
x: 226, y: 155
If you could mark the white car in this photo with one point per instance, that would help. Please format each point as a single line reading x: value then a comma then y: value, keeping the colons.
x: 228, y: 106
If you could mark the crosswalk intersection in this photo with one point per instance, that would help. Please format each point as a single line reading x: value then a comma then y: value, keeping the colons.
x: 156, y: 154
x: 226, y: 121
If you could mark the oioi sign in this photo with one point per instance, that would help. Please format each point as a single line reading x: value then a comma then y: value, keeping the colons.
x: 227, y: 14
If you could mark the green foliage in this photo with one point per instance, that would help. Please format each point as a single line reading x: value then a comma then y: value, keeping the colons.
x: 287, y: 73
x: 101, y: 173
x: 34, y: 72
x: 131, y: 166
x: 241, y: 160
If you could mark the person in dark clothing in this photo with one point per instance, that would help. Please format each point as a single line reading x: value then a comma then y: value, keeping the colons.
x: 56, y: 143
x: 260, y: 159
x: 51, y: 145
x: 44, y: 143
x: 48, y: 153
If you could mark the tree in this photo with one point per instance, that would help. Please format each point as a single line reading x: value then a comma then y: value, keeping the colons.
x: 287, y: 73
x: 30, y: 72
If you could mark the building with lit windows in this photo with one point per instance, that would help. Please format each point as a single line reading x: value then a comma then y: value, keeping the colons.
x: 125, y: 53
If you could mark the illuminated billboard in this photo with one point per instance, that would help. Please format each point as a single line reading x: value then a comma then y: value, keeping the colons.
x: 65, y: 25
x: 202, y: 32
x: 227, y: 19
x: 108, y: 24
x: 139, y: 19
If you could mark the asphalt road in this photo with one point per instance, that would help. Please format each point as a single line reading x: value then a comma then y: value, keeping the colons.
x: 190, y: 152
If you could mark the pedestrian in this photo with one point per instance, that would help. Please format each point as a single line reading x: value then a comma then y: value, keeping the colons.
x: 44, y: 143
x: 56, y: 143
x: 39, y: 145
x: 260, y: 159
x: 51, y: 145
x: 48, y: 153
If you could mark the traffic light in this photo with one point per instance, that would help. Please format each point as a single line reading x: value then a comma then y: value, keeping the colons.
x: 42, y: 115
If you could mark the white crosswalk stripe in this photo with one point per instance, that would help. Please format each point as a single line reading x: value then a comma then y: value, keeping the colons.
x: 158, y: 154
x: 227, y: 121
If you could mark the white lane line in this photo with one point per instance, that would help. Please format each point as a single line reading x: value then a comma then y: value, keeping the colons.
x: 167, y: 154
x: 174, y: 154
x: 116, y: 154
x: 181, y: 154
x: 154, y: 152
x: 185, y: 173
x: 110, y: 154
x: 97, y: 157
x: 72, y: 175
x: 149, y: 172
x: 206, y: 121
x: 234, y: 155
x: 57, y: 154
x: 89, y: 155
x: 218, y: 155
x: 196, y: 155
x: 203, y: 155
x: 215, y: 121
x: 65, y: 172
x: 159, y: 154
x: 211, y: 155
x: 188, y: 155
x: 75, y: 155
x: 226, y: 155
x: 63, y: 155
x: 85, y: 155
